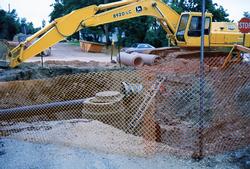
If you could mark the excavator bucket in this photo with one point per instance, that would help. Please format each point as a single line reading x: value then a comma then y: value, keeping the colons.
x: 4, y: 50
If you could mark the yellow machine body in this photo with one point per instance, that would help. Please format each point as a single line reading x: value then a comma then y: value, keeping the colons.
x: 217, y: 34
x: 183, y: 30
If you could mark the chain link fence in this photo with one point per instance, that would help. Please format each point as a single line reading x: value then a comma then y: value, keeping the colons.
x: 141, y: 112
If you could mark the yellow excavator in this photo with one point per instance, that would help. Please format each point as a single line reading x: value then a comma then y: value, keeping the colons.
x: 184, y: 30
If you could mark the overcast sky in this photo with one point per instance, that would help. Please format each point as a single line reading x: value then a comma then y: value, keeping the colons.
x: 37, y: 10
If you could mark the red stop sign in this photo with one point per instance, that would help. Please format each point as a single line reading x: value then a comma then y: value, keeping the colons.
x: 244, y: 25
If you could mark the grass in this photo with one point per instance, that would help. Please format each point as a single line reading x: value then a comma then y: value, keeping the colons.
x: 76, y: 43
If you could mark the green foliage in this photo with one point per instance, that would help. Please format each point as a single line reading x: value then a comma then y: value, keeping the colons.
x: 247, y: 14
x: 63, y: 7
x: 156, y: 37
x: 43, y: 23
x: 10, y: 25
x: 137, y: 30
x: 219, y: 12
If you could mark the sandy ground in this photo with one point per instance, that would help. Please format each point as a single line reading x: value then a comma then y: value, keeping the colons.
x: 92, y: 135
x: 76, y: 143
x: 68, y: 52
x: 87, y: 134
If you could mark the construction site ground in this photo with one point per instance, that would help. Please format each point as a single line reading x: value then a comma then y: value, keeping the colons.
x: 66, y: 58
x: 39, y: 142
x: 72, y: 52
x: 73, y: 152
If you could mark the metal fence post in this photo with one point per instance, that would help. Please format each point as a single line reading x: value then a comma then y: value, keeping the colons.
x: 202, y: 85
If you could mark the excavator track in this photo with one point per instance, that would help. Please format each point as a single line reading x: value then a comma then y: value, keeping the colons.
x: 170, y: 53
x: 185, y: 53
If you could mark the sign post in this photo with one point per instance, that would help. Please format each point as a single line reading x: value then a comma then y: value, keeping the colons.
x: 244, y: 27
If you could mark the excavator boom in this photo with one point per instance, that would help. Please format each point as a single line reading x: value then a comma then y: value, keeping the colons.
x: 89, y: 17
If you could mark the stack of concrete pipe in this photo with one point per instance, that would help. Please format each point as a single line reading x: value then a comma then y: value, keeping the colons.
x: 138, y: 59
x: 130, y: 60
x: 148, y: 59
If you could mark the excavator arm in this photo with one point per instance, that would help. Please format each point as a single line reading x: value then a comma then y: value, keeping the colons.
x: 92, y: 16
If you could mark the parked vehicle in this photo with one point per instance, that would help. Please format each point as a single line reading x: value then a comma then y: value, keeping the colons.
x: 138, y: 47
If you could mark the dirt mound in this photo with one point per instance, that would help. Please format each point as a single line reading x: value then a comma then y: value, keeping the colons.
x: 31, y: 71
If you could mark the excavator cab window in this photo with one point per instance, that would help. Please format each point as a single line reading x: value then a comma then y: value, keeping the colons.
x: 182, y: 27
x: 195, y: 26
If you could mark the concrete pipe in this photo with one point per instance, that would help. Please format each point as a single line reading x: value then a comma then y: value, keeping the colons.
x: 130, y: 60
x: 148, y: 59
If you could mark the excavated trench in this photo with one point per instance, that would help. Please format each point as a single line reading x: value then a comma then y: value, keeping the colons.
x: 31, y: 71
x: 227, y: 101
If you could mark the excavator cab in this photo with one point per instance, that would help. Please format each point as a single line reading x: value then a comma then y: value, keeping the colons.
x: 188, y: 33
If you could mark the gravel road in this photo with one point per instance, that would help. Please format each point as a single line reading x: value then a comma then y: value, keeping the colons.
x: 68, y: 52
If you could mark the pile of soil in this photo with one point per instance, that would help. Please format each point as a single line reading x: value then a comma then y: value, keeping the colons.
x: 30, y: 71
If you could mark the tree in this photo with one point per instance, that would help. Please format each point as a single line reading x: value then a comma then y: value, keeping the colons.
x: 220, y: 14
x: 23, y: 26
x: 142, y: 29
x: 63, y: 7
x: 135, y: 29
x: 247, y: 14
x: 58, y: 10
x: 9, y: 24
x: 106, y: 29
x: 43, y: 23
